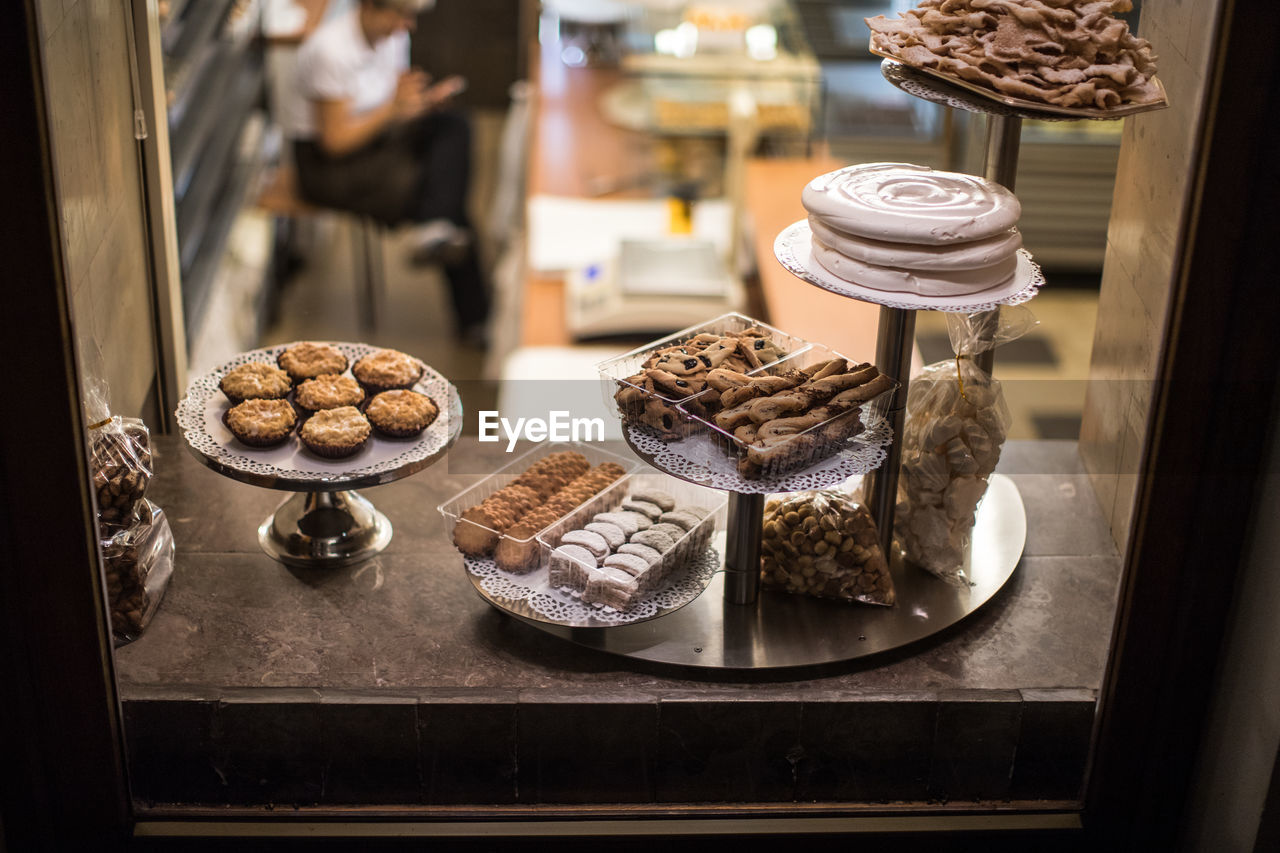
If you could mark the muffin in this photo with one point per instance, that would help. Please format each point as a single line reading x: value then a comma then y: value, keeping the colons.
x: 255, y: 381
x: 386, y: 370
x: 400, y: 413
x: 328, y: 391
x: 335, y: 433
x: 261, y: 423
x: 309, y: 360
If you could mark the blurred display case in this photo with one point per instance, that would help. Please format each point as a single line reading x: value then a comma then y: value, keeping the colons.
x: 214, y: 85
x: 691, y: 68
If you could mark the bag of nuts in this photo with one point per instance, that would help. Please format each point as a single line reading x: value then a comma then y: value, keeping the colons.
x: 824, y: 544
x: 136, y: 542
x: 137, y: 561
x: 120, y: 459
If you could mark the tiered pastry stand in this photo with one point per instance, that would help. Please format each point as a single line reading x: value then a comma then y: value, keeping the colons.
x: 897, y: 326
x: 731, y: 626
x: 327, y: 523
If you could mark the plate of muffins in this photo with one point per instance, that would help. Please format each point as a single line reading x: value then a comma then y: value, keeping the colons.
x: 320, y: 415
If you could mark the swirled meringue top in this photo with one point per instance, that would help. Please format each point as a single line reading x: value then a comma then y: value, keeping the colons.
x: 902, y: 203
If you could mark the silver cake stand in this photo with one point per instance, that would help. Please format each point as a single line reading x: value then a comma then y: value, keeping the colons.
x: 326, y: 523
x: 778, y: 630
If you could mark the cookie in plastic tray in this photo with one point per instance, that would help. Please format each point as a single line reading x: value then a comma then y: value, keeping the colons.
x: 654, y: 385
x: 792, y: 415
x: 636, y: 538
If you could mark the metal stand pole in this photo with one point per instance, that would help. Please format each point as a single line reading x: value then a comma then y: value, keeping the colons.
x: 893, y: 358
x: 324, y: 530
x: 1004, y: 137
x: 742, y: 549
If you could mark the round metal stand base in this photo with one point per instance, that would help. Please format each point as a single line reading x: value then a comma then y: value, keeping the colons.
x: 324, y: 529
x: 781, y: 630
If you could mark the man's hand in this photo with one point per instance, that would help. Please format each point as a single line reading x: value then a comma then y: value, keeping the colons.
x: 447, y: 88
x: 413, y: 95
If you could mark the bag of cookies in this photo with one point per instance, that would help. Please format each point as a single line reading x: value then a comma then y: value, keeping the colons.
x: 134, y: 536
x: 120, y: 461
x: 824, y: 544
x: 137, y: 561
x: 956, y: 424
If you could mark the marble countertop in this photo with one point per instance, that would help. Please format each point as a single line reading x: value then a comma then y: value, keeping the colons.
x: 410, y: 620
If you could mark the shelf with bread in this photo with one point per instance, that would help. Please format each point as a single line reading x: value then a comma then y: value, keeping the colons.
x: 321, y: 419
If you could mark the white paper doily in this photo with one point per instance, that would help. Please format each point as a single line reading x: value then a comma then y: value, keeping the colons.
x: 793, y: 249
x: 699, y: 459
x: 531, y: 597
x: 290, y: 466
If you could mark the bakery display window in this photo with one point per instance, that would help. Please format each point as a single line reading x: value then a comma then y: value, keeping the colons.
x: 810, y: 588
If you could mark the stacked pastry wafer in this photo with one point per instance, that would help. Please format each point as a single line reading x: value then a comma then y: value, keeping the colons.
x: 1069, y: 53
x: 680, y: 371
x: 785, y: 420
x: 554, y: 484
x: 909, y: 229
x: 628, y: 551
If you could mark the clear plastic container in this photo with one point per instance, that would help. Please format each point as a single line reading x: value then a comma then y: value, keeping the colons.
x: 453, y: 508
x: 616, y: 372
x: 807, y: 447
x: 688, y: 546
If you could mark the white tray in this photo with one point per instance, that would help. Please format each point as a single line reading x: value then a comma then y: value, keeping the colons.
x: 290, y: 466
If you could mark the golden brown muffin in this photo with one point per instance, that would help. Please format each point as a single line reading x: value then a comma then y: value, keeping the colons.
x: 308, y: 360
x: 255, y: 381
x: 386, y: 370
x: 261, y: 423
x: 328, y: 391
x: 400, y: 413
x: 335, y: 433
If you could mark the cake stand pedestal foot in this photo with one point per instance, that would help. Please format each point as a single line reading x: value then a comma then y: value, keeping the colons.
x: 324, y: 530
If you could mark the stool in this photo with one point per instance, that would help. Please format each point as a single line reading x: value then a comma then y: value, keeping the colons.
x: 280, y: 198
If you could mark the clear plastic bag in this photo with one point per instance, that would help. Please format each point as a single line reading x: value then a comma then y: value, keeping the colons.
x: 133, y: 533
x: 120, y: 459
x: 137, y: 561
x: 956, y: 424
x: 824, y: 544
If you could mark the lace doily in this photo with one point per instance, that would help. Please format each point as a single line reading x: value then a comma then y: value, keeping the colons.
x: 962, y: 95
x: 200, y: 412
x: 700, y: 460
x: 793, y: 250
x: 530, y: 595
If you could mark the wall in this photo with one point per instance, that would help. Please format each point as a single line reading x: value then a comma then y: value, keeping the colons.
x: 86, y: 72
x: 1147, y: 215
x: 1243, y: 733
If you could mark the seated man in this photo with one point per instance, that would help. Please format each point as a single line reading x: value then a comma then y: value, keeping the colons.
x: 372, y: 136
